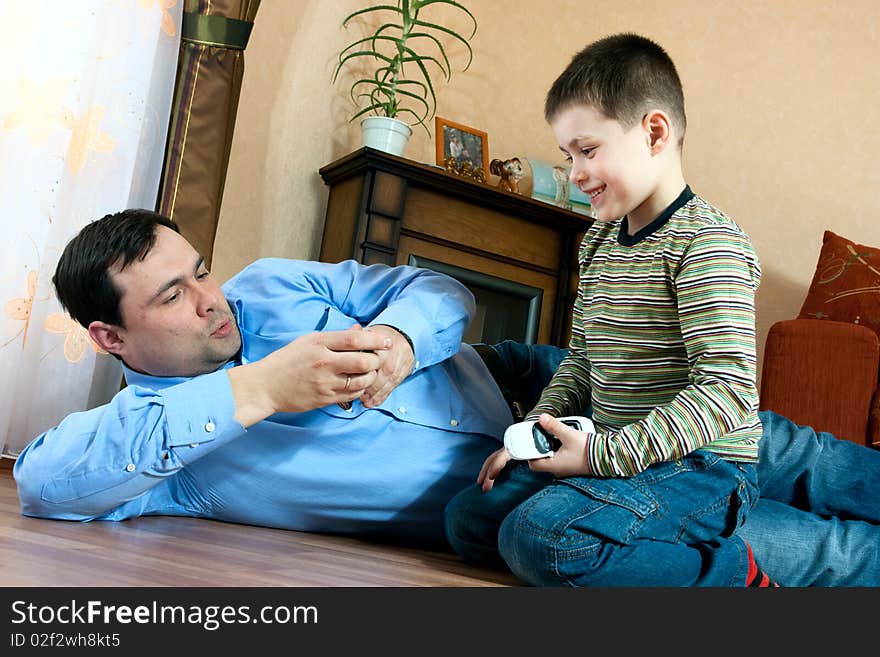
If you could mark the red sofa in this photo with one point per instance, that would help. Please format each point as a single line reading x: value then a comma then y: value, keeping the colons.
x: 824, y: 374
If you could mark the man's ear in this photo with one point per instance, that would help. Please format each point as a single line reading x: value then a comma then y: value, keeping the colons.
x: 658, y: 129
x: 107, y: 336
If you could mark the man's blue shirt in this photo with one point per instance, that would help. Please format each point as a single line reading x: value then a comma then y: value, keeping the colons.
x: 171, y: 446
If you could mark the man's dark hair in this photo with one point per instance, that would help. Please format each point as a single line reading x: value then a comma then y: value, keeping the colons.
x: 82, y: 277
x: 622, y: 76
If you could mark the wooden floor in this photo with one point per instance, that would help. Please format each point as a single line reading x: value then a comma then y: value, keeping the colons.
x: 160, y: 551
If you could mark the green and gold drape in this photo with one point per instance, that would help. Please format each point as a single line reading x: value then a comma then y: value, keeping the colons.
x: 210, y: 68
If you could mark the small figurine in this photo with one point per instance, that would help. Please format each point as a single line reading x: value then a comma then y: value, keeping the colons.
x: 511, y: 172
x: 560, y: 175
x: 464, y: 169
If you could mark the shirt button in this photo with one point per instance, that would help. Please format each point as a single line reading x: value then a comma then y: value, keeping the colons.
x: 130, y: 467
x: 417, y: 365
x: 402, y: 410
x: 209, y: 427
x: 453, y: 422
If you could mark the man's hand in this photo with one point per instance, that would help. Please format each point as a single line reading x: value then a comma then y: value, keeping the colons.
x: 570, y: 460
x: 396, y: 363
x: 492, y: 467
x: 314, y: 370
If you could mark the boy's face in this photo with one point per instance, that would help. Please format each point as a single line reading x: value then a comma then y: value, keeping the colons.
x: 613, y: 166
x: 177, y: 320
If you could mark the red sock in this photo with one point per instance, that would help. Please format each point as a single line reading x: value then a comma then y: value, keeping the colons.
x: 756, y: 576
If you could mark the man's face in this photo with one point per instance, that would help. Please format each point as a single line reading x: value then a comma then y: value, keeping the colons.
x: 176, y: 319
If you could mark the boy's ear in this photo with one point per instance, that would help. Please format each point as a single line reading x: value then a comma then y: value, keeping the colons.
x: 107, y: 337
x: 658, y: 129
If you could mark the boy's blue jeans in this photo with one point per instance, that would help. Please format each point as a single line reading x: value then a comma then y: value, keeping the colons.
x: 673, y: 524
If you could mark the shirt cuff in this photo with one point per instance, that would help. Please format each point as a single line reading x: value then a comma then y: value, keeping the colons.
x: 200, y: 415
x: 416, y: 330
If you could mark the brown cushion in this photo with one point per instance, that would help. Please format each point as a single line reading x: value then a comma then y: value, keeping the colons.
x: 846, y: 284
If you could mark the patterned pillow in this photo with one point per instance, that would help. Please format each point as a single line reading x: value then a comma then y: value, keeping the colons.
x: 846, y: 284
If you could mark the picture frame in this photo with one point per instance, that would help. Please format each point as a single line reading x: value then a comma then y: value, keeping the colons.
x: 463, y: 142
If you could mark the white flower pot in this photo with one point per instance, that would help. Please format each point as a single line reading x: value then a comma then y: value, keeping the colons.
x: 386, y: 134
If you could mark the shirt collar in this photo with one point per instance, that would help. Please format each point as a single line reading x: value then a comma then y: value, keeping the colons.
x: 629, y: 240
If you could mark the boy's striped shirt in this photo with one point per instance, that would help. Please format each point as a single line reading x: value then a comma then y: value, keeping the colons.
x: 663, y: 341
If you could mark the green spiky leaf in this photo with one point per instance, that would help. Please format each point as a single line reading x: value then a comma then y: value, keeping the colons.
x: 402, y: 52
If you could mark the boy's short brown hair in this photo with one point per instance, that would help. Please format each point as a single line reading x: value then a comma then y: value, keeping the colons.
x: 622, y: 76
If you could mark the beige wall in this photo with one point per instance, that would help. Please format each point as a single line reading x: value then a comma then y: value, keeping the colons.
x: 782, y: 99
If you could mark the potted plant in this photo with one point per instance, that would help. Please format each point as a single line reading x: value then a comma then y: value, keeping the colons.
x: 401, y: 55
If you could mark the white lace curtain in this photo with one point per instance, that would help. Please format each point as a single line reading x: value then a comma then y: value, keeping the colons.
x: 87, y: 87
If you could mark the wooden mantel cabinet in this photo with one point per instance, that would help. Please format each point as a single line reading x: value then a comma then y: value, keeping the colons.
x: 517, y: 255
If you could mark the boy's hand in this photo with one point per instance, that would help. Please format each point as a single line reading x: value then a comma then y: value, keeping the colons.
x: 570, y: 460
x: 492, y: 467
x: 395, y: 364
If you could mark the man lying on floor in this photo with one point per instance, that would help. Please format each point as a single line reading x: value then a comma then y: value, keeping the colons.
x: 338, y: 398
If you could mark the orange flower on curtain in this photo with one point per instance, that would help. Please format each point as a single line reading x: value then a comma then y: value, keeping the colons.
x: 20, y: 308
x: 76, y: 337
x: 41, y: 109
x: 169, y: 27
x: 87, y: 136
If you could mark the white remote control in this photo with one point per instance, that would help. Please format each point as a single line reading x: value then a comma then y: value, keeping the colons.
x: 529, y: 440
